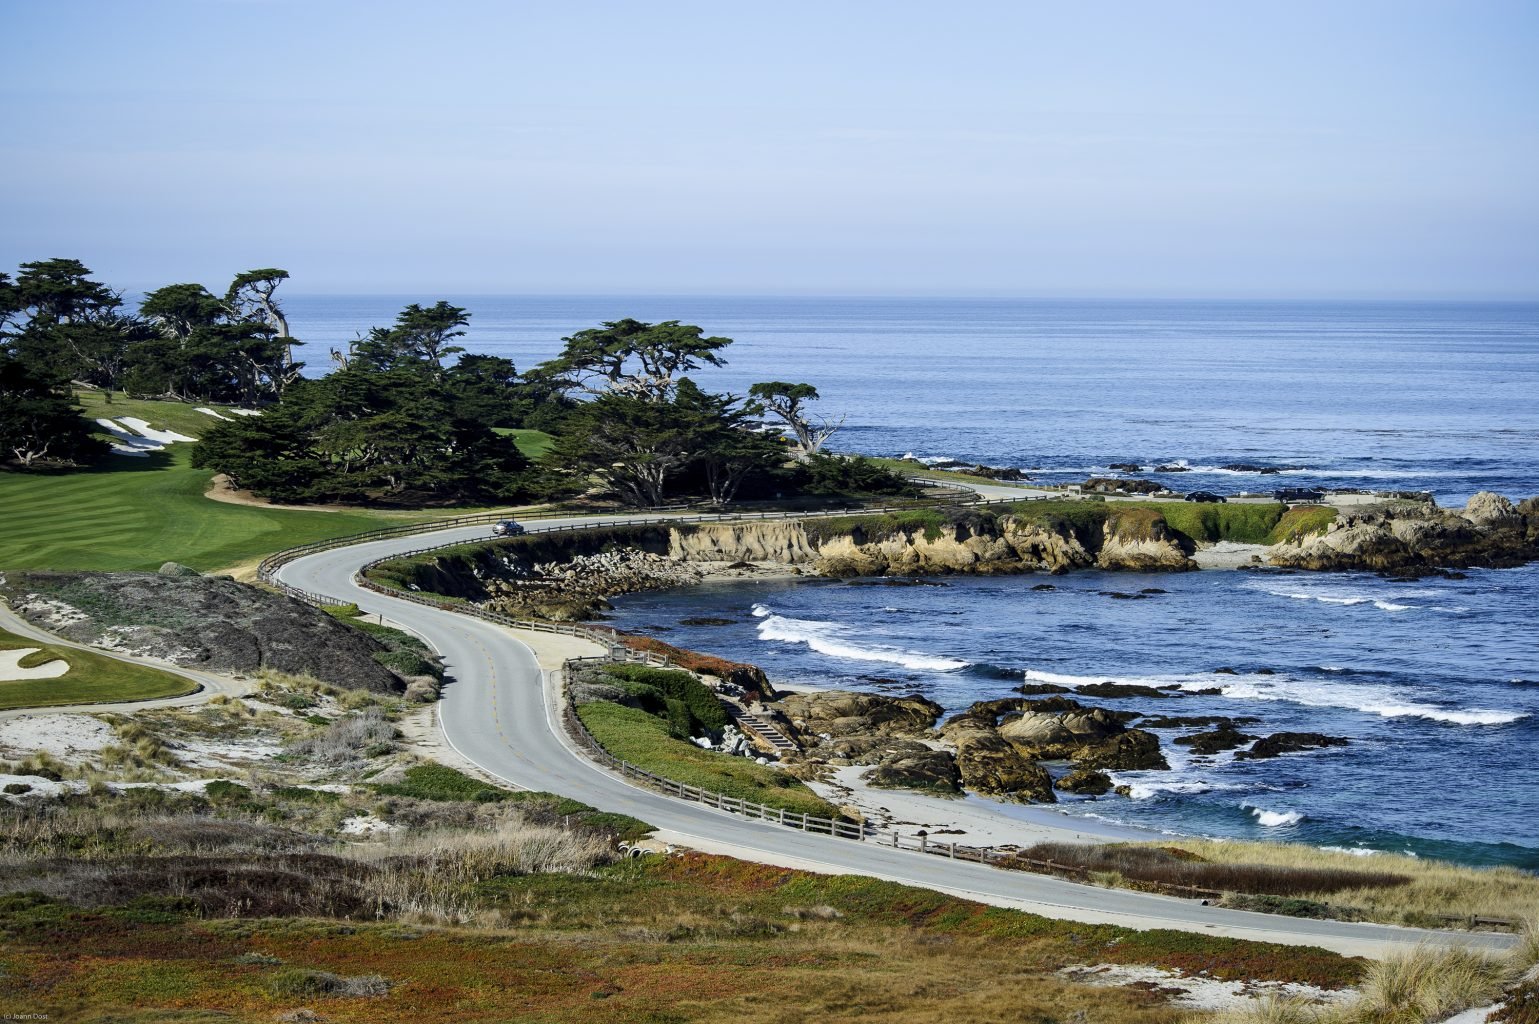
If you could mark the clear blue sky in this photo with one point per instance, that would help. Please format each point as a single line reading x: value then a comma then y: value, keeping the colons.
x: 1338, y: 148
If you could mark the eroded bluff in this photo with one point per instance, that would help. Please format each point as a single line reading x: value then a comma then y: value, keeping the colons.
x: 1136, y: 538
x: 1489, y: 531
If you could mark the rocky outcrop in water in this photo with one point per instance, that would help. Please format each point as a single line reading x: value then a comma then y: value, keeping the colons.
x: 1489, y: 531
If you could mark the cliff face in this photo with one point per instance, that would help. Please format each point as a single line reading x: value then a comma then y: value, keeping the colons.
x: 1136, y: 539
x: 1488, y: 531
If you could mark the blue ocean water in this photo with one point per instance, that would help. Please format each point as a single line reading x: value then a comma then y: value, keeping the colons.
x: 1427, y: 396
x: 1436, y: 683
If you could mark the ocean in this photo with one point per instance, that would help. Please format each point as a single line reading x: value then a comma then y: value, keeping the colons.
x: 1435, y: 683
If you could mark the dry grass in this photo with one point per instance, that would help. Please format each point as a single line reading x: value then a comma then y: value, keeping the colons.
x: 1122, y: 863
x: 1419, y: 986
x: 1434, y: 888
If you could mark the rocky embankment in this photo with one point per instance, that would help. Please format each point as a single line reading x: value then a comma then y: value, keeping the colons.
x: 992, y: 749
x: 1489, y: 531
x: 568, y: 576
x: 964, y: 541
x: 214, y: 623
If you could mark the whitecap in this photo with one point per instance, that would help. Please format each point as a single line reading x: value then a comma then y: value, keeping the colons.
x: 760, y: 611
x: 1274, y: 819
x: 829, y: 638
x: 1356, y: 851
x: 1372, y: 700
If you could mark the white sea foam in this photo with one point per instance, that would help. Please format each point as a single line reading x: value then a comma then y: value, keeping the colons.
x: 1356, y: 851
x: 1276, y: 818
x: 1146, y: 790
x: 760, y: 611
x: 831, y: 639
x: 1373, y: 700
x: 1383, y: 701
x: 1273, y: 819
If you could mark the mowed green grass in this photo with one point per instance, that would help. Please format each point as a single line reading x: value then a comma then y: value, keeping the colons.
x: 533, y: 443
x: 91, y: 679
x: 140, y: 512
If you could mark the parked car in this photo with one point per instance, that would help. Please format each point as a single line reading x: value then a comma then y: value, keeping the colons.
x: 1299, y: 495
x: 1207, y: 496
x: 507, y: 528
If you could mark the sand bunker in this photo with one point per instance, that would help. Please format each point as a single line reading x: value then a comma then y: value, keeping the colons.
x: 160, y: 436
x: 10, y: 666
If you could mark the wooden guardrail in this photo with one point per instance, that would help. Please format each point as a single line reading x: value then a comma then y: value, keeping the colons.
x: 839, y: 828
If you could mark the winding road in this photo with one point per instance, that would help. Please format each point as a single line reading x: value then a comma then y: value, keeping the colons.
x: 499, y: 711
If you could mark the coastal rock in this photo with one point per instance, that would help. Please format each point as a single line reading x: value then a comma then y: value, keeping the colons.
x: 783, y: 542
x: 1488, y: 531
x: 1134, y: 750
x: 1117, y: 690
x: 840, y: 713
x: 1085, y: 782
x: 927, y: 771
x: 991, y: 766
x: 1139, y: 539
x: 1109, y: 485
x: 1225, y: 737
x: 1048, y: 546
x: 1289, y: 743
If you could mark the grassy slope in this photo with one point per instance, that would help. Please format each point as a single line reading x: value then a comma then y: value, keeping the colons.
x: 635, y: 736
x: 532, y: 443
x: 136, y: 513
x: 91, y: 679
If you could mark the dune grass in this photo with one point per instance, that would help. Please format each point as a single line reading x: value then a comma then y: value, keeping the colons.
x: 91, y: 679
x: 1433, y: 888
x: 642, y: 739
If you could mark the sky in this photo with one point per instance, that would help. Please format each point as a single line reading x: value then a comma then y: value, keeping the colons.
x: 1305, y: 149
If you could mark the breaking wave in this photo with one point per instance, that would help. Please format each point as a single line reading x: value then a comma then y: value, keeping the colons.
x: 1383, y: 701
x: 1273, y: 819
x: 832, y: 639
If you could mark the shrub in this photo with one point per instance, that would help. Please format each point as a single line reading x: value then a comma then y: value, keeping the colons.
x: 1154, y: 866
x: 701, y: 704
x: 352, y: 738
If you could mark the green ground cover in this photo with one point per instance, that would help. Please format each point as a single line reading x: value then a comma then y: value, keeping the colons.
x: 91, y: 679
x: 533, y: 443
x: 642, y: 739
x: 137, y: 513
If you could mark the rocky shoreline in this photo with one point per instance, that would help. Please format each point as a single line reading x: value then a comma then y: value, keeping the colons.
x: 571, y: 577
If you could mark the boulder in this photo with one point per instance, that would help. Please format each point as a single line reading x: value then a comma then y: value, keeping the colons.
x: 1225, y: 737
x: 928, y: 771
x: 991, y: 766
x: 1085, y: 782
x: 1289, y: 743
x: 1134, y: 750
x: 842, y: 713
x: 1109, y: 689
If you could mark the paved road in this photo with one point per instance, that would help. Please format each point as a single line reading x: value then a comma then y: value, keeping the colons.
x: 499, y: 711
